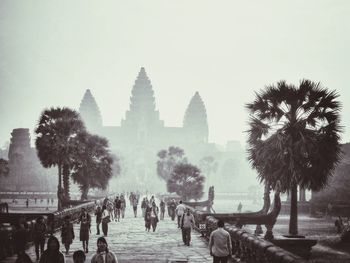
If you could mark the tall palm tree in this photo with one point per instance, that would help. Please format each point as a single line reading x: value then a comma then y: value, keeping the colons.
x: 294, y: 137
x: 55, y: 142
x: 93, y: 164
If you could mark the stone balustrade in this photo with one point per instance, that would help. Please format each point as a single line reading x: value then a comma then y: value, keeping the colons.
x: 251, y: 249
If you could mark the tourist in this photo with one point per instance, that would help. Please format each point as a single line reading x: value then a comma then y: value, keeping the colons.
x: 143, y: 206
x: 117, y: 206
x: 154, y: 216
x: 187, y: 222
x: 27, y: 203
x: 148, y: 218
x: 134, y: 205
x: 239, y: 208
x: 162, y: 209
x: 39, y: 232
x: 122, y: 205
x: 52, y: 254
x: 23, y: 258
x: 85, y: 224
x: 20, y: 236
x: 171, y: 209
x: 110, y: 208
x: 35, y: 200
x: 103, y: 255
x: 220, y: 245
x: 180, y: 210
x: 105, y: 220
x: 98, y: 214
x: 79, y: 256
x: 67, y: 233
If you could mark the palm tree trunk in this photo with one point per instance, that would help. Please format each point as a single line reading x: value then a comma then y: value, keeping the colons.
x: 66, y: 181
x: 293, y: 221
x: 59, y: 188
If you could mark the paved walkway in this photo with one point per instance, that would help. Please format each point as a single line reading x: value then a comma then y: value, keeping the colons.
x: 131, y: 243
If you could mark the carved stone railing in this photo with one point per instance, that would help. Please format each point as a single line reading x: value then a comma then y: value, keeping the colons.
x: 249, y: 248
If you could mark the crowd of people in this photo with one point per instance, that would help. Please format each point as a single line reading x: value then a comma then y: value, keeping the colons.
x: 112, y: 209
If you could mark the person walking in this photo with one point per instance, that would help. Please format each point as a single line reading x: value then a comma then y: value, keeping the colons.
x: 122, y: 205
x: 134, y: 205
x: 105, y: 220
x: 171, y: 209
x: 220, y: 244
x: 180, y: 210
x: 98, y: 214
x: 143, y: 206
x: 67, y: 233
x: 162, y: 209
x: 52, y: 254
x: 39, y: 236
x: 117, y: 204
x: 239, y: 208
x: 187, y: 222
x: 148, y: 218
x: 103, y: 254
x: 154, y: 216
x: 85, y: 224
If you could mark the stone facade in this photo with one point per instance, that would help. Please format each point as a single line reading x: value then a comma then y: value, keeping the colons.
x: 142, y: 135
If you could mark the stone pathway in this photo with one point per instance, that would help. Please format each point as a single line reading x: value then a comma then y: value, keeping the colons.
x: 131, y: 243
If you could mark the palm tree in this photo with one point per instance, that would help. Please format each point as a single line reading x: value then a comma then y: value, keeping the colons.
x: 55, y: 142
x: 93, y: 165
x: 4, y: 167
x: 294, y: 137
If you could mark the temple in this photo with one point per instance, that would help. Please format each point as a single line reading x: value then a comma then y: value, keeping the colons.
x: 141, y: 135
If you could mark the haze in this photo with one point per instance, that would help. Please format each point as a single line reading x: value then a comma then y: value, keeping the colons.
x: 51, y: 52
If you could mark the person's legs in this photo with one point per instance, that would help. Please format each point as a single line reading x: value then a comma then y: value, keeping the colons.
x: 104, y: 228
x: 36, y: 244
x: 42, y: 245
x: 178, y: 221
x: 216, y: 259
x: 183, y: 235
x: 98, y: 228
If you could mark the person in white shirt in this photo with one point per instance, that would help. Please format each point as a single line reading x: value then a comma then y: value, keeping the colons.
x: 180, y: 210
x: 220, y: 244
x: 105, y: 220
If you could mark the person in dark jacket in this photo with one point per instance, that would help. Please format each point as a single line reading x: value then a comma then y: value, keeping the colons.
x: 67, y: 233
x: 85, y: 224
x: 39, y: 236
x: 52, y: 254
x: 98, y: 214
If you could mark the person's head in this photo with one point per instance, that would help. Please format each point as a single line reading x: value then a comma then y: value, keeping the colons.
x: 53, y: 244
x: 102, y: 244
x: 220, y: 223
x: 188, y: 211
x: 67, y: 218
x: 98, y: 208
x: 180, y: 202
x: 40, y: 219
x: 104, y: 207
x: 79, y: 256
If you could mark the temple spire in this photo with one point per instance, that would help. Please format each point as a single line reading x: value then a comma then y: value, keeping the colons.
x: 90, y: 112
x: 195, y: 120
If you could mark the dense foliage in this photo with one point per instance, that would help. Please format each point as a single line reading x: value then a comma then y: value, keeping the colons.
x: 168, y: 159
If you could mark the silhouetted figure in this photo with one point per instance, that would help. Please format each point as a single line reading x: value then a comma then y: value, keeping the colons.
x: 85, y: 224
x: 239, y: 208
x: 67, y: 233
x: 98, y: 214
x: 79, y: 256
x: 39, y: 236
x: 52, y: 254
x: 23, y: 258
x: 103, y: 254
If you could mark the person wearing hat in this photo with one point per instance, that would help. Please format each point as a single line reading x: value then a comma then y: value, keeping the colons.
x: 103, y: 254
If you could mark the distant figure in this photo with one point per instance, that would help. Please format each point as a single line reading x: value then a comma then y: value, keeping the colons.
x: 52, y: 254
x: 85, y: 224
x: 162, y: 209
x: 98, y: 214
x: 39, y: 236
x: 27, y: 203
x: 122, y: 205
x: 48, y: 201
x: 134, y: 202
x: 220, y: 244
x: 67, y: 233
x: 239, y: 208
x: 171, y: 209
x: 41, y: 200
x: 51, y: 201
x: 187, y: 222
x: 103, y: 254
x: 35, y: 200
x: 154, y: 216
x: 20, y: 236
x: 147, y: 218
x: 105, y: 220
x: 118, y: 206
x: 143, y: 206
x: 79, y: 256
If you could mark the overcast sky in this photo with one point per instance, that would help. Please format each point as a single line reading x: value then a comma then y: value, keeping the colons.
x: 52, y: 51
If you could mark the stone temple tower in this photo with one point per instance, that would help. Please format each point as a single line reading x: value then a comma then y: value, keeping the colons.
x: 20, y: 144
x: 142, y: 119
x: 195, y: 121
x: 90, y: 113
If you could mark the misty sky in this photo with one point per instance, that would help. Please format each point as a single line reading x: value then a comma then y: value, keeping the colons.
x: 52, y: 51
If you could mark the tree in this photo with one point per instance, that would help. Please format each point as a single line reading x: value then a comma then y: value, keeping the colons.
x: 186, y: 181
x: 167, y: 161
x: 4, y: 167
x: 93, y: 163
x: 294, y: 138
x: 55, y: 142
